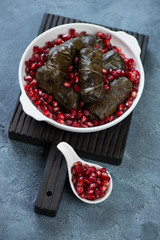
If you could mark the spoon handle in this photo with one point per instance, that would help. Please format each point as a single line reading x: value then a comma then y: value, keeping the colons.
x: 69, y: 153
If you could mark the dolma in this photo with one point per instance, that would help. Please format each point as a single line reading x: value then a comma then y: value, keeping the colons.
x: 119, y: 91
x: 113, y: 60
x: 51, y: 76
x: 90, y: 72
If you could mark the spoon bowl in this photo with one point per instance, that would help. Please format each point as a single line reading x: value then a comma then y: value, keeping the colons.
x: 71, y: 158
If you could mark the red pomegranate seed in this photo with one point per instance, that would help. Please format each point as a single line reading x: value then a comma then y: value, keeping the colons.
x: 33, y: 82
x: 104, y: 71
x: 80, y: 181
x: 128, y: 103
x: 74, y: 180
x: 119, y: 113
x: 28, y: 78
x: 91, y: 197
x: 84, y: 118
x: 46, y: 112
x: 90, y: 191
x: 101, y: 35
x: 36, y: 49
x: 70, y: 68
x: 72, y: 31
x: 93, y: 185
x: 121, y: 106
x: 55, y: 109
x: 61, y: 115
x: 86, y: 112
x: 61, y: 121
x: 76, y: 88
x: 106, y: 87
x: 79, y: 190
x: 54, y: 103
x: 98, y: 181
x: 27, y: 88
x: 67, y: 84
x: 66, y: 37
x: 76, y: 80
x: 30, y: 93
x: 58, y: 41
x: 73, y: 112
x: 69, y: 122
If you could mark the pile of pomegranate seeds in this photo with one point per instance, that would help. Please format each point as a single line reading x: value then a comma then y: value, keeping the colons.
x: 90, y: 183
x: 80, y: 117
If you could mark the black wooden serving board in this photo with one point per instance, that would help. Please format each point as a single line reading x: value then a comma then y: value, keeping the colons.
x: 105, y: 146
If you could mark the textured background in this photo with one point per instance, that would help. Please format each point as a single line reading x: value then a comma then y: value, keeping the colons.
x: 132, y: 212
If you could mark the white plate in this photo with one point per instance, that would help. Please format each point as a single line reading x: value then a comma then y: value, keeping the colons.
x: 126, y: 42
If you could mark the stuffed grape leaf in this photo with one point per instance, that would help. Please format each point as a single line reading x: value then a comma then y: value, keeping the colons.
x: 51, y: 76
x: 113, y: 60
x: 119, y: 90
x: 90, y: 72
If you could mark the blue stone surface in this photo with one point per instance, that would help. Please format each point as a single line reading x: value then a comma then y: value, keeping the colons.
x: 132, y: 212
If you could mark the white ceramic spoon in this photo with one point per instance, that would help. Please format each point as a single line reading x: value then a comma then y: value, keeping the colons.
x: 71, y: 157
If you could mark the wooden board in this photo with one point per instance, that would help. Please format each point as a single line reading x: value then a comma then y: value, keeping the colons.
x: 105, y: 146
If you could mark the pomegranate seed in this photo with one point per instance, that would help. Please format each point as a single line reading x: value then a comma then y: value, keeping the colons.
x: 104, y: 175
x: 75, y: 124
x: 66, y: 37
x: 86, y: 112
x: 69, y: 122
x: 134, y: 94
x: 93, y: 185
x: 30, y: 93
x: 102, y: 188
x: 98, y: 182
x: 81, y: 104
x: 83, y: 32
x: 33, y: 83
x: 27, y: 88
x: 54, y: 103
x: 61, y: 121
x: 121, y: 106
x: 28, y: 78
x: 106, y: 119
x: 61, y: 115
x: 58, y: 41
x: 90, y: 124
x: 106, y: 87
x: 80, y: 181
x: 73, y: 112
x: 90, y: 191
x: 84, y: 118
x: 78, y: 164
x: 67, y: 84
x: 119, y: 113
x: 91, y: 197
x: 70, y: 68
x: 46, y: 112
x: 76, y: 80
x: 36, y: 49
x: 72, y: 31
x: 128, y: 103
x: 104, y: 71
x: 100, y: 35
x: 76, y: 88
x: 98, y: 173
x: 79, y: 190
x: 79, y: 115
x: 74, y: 180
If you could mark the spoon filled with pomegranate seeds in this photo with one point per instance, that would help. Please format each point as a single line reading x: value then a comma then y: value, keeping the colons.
x: 91, y: 183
